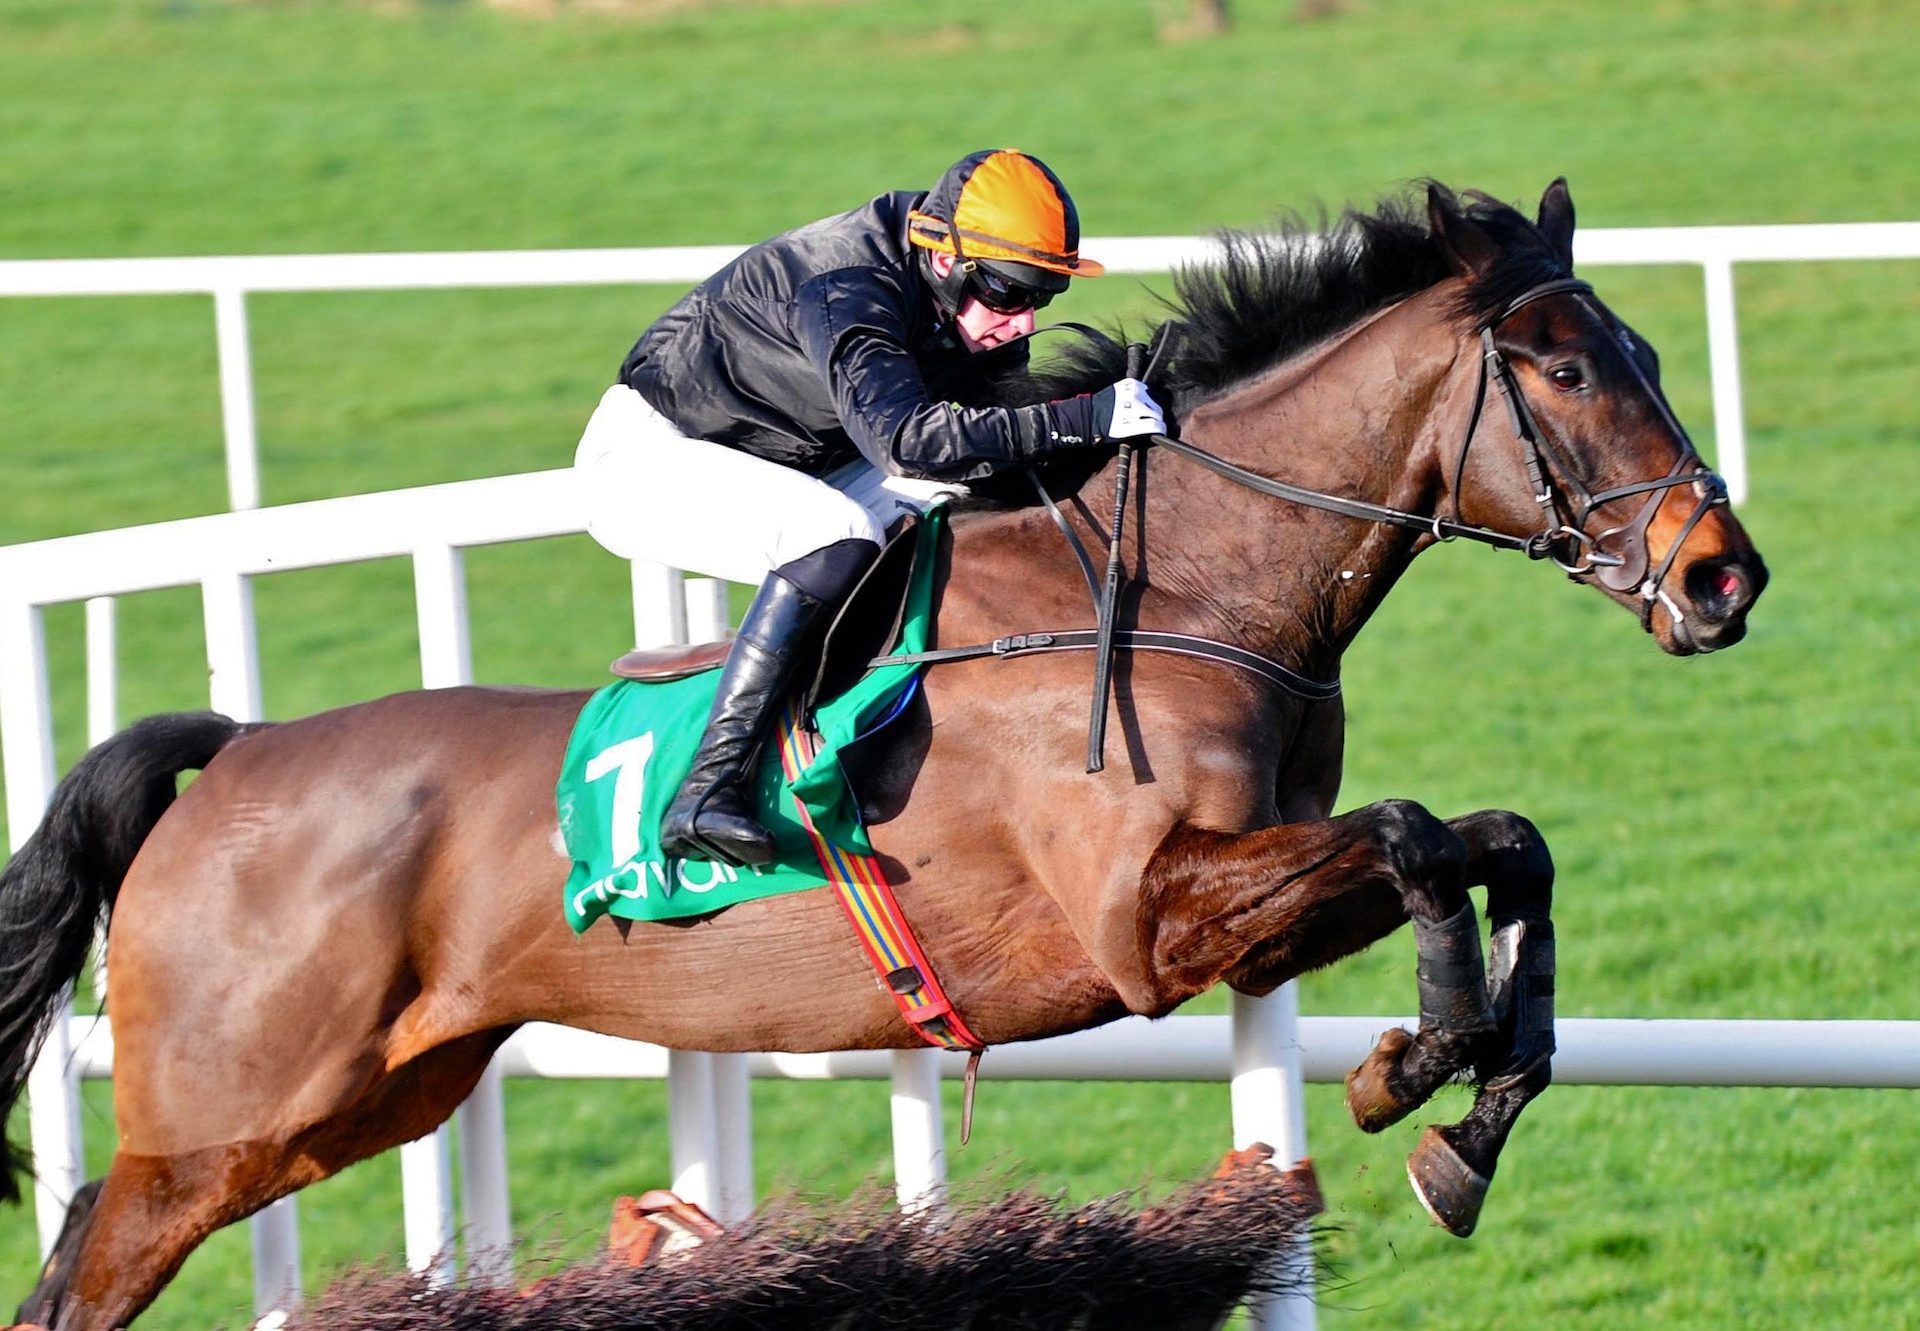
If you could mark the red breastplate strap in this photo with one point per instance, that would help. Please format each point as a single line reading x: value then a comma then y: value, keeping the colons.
x: 860, y: 886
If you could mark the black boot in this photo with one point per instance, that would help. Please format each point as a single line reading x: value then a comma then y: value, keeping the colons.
x: 712, y: 818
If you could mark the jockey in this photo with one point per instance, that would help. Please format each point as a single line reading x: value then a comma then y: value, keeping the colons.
x: 769, y: 427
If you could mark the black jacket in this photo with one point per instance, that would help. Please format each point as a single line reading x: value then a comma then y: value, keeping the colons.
x: 819, y: 344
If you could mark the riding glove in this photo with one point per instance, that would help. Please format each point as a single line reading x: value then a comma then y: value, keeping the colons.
x: 1123, y: 410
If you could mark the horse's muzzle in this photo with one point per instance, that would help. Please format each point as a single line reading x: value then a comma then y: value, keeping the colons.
x: 1718, y: 595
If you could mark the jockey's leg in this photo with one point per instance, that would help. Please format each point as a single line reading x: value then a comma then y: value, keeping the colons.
x: 805, y: 540
x: 651, y: 493
x: 713, y: 817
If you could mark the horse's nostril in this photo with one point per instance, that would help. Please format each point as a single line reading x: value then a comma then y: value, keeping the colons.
x: 1719, y: 592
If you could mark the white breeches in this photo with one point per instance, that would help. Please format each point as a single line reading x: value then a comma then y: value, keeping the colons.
x: 654, y: 494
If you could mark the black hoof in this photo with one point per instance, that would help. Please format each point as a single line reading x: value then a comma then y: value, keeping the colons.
x: 1451, y: 1190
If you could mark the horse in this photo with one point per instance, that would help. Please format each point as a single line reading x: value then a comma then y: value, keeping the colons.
x: 318, y: 944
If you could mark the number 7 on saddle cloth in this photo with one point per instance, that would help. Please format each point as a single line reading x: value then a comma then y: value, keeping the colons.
x: 634, y: 743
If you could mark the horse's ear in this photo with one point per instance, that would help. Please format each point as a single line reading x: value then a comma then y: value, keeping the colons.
x: 1470, y: 250
x: 1556, y: 219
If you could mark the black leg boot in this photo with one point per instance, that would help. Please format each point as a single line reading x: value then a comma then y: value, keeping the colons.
x: 713, y: 817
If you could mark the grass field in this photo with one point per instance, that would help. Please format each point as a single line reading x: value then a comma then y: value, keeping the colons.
x: 1733, y: 834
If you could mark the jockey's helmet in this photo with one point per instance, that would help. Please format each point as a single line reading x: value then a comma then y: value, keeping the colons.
x: 1010, y: 226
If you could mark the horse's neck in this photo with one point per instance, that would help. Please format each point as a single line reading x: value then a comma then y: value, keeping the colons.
x: 1365, y: 415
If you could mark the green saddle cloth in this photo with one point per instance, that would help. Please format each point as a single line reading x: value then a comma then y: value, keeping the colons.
x: 634, y: 744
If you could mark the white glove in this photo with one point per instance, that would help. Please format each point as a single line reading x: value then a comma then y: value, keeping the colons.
x: 1134, y: 412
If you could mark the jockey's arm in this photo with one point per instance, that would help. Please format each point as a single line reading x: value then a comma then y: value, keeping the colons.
x: 857, y: 340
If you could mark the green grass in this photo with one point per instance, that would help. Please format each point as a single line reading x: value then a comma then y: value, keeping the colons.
x: 1733, y: 834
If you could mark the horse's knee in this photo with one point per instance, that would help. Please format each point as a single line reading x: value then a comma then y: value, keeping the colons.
x: 1508, y: 854
x: 1425, y: 859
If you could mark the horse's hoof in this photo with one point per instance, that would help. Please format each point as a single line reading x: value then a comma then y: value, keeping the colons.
x: 1370, y: 1097
x: 1452, y: 1190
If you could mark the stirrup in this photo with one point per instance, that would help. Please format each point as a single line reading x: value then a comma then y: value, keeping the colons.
x: 693, y: 837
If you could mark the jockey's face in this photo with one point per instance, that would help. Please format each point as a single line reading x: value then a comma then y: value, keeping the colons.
x: 979, y: 326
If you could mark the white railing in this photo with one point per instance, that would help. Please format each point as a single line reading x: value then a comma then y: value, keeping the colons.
x: 708, y: 1102
x: 230, y: 279
x: 711, y: 1141
x: 1264, y: 1049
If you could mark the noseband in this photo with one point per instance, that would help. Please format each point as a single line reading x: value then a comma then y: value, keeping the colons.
x: 1568, y: 505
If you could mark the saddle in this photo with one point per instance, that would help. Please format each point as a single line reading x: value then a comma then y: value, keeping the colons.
x: 865, y: 627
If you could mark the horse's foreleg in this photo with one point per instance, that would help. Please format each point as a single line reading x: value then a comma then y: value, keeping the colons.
x: 1452, y: 1166
x: 1260, y: 908
x: 1457, y: 1019
x: 1264, y: 906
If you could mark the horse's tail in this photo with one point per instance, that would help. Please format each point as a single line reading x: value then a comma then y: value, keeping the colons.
x: 61, y: 885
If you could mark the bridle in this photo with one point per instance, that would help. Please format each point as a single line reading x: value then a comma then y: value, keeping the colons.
x: 1566, y: 503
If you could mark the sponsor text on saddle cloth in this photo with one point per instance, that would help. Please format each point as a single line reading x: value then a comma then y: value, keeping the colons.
x: 635, y: 742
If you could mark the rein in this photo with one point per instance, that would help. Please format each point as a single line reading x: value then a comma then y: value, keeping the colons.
x: 1566, y: 504
x: 1581, y: 554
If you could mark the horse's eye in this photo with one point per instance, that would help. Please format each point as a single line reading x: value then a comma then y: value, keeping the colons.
x: 1567, y: 377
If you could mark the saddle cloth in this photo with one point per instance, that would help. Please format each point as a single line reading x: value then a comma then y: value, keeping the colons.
x: 635, y: 742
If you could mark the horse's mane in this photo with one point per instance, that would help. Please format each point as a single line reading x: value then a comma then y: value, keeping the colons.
x: 1274, y: 293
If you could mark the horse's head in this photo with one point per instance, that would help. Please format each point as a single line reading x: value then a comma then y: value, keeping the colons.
x: 1573, y: 440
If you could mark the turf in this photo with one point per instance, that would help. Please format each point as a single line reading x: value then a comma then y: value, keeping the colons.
x: 1732, y: 833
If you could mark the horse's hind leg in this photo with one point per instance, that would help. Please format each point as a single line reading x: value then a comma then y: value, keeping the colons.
x: 1452, y: 1166
x: 154, y: 1210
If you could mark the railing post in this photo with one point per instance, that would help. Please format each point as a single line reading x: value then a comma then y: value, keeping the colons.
x: 692, y: 1127
x: 919, y: 1140
x: 1269, y: 1105
x: 426, y: 1165
x: 103, y: 719
x: 659, y: 605
x: 103, y: 671
x: 733, y: 1136
x: 53, y: 1095
x: 1723, y: 363
x: 233, y: 655
x: 233, y: 651
x: 446, y: 661
x: 694, y: 1118
x: 708, y: 616
x: 708, y: 620
x: 426, y: 1204
x: 483, y: 1180
x: 236, y: 397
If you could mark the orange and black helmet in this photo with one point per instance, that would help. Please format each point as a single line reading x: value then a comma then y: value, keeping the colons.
x: 1005, y: 211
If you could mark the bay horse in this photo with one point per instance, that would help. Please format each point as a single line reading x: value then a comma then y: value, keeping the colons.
x: 318, y: 945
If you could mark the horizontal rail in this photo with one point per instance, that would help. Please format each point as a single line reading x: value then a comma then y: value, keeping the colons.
x: 692, y: 263
x: 1594, y: 1051
x: 293, y: 536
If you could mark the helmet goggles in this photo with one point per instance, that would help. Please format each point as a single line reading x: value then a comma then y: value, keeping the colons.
x: 1002, y: 294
